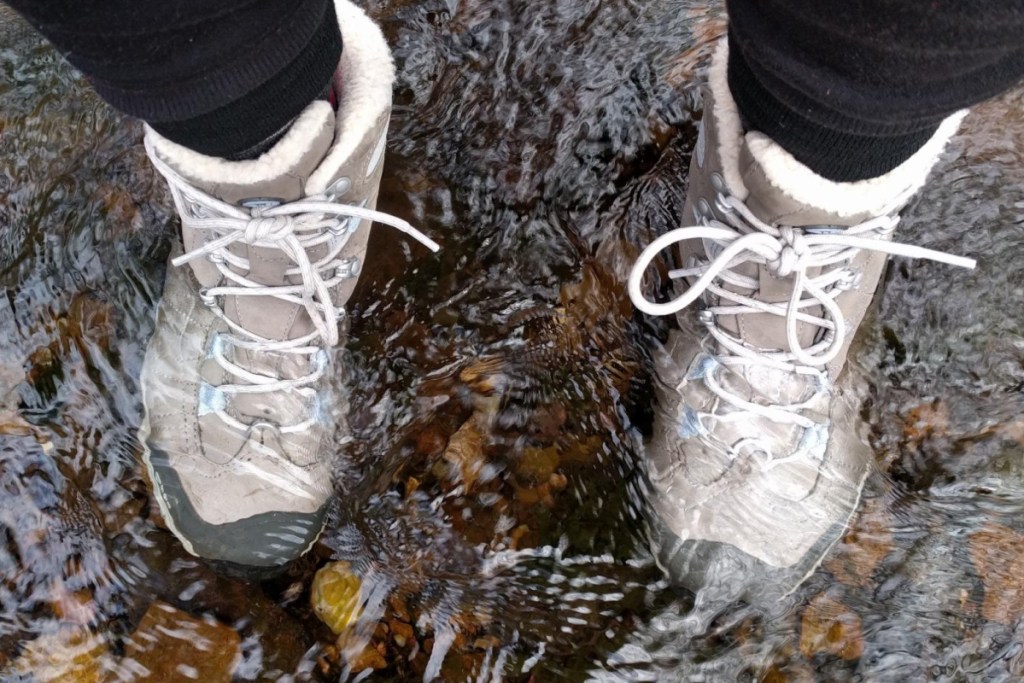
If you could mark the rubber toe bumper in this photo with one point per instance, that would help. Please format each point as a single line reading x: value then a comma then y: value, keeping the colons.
x: 269, y: 539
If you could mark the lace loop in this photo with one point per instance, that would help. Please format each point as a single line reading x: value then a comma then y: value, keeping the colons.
x: 787, y: 252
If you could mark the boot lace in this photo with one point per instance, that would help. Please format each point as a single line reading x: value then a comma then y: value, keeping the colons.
x: 736, y: 237
x: 294, y: 229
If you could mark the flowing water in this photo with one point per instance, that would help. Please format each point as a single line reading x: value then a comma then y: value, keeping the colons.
x: 488, y: 519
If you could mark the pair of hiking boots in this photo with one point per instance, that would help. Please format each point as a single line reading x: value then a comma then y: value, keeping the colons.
x: 756, y: 462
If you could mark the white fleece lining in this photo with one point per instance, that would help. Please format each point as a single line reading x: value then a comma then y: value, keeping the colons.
x: 727, y: 118
x: 875, y: 196
x: 363, y: 78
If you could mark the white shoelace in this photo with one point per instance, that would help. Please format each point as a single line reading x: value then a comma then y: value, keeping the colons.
x: 292, y: 228
x: 743, y: 238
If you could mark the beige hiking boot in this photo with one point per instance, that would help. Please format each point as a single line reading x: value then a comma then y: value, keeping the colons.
x: 757, y: 460
x: 240, y: 412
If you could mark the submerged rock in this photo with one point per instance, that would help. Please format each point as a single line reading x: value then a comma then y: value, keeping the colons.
x: 336, y: 596
x: 171, y: 645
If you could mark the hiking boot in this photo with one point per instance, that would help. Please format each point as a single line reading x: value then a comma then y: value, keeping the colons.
x: 240, y: 411
x: 757, y: 460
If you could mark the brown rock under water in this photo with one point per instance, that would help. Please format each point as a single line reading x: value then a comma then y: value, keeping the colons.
x: 998, y: 554
x: 170, y: 645
x: 864, y: 546
x: 830, y: 627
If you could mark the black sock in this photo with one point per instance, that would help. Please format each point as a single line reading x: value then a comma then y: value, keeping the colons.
x: 264, y: 145
x: 827, y: 150
x: 251, y: 125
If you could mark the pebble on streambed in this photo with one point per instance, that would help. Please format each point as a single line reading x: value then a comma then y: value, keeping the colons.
x: 336, y: 596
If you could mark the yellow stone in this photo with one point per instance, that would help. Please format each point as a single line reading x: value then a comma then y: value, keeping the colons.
x: 337, y: 596
x: 369, y: 658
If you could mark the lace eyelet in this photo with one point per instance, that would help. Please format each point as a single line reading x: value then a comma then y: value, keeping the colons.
x: 196, y: 209
x: 347, y: 226
x: 721, y: 204
x: 319, y: 361
x: 349, y: 267
x: 338, y: 189
x: 703, y: 210
x: 718, y: 182
x: 851, y: 279
x: 891, y: 228
x: 207, y: 298
x: 216, y: 346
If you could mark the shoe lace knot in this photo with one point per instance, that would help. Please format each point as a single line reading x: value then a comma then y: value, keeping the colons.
x: 793, y: 250
x: 268, y: 228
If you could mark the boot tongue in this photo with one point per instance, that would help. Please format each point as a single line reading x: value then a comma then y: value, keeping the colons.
x: 268, y: 316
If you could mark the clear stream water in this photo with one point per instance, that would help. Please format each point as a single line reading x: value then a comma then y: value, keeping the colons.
x: 488, y: 505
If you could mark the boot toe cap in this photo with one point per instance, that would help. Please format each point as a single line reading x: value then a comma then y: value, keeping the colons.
x: 267, y: 539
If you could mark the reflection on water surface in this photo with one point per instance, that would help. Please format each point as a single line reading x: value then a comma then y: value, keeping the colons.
x: 487, y: 524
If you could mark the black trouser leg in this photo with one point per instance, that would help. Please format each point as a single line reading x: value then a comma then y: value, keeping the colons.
x: 852, y: 88
x: 219, y: 77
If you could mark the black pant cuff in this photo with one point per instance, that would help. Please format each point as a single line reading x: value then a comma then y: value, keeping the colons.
x: 260, y: 114
x: 825, y: 148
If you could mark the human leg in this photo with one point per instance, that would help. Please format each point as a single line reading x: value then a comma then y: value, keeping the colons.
x: 853, y: 89
x: 756, y: 460
x: 224, y: 79
x: 240, y: 406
